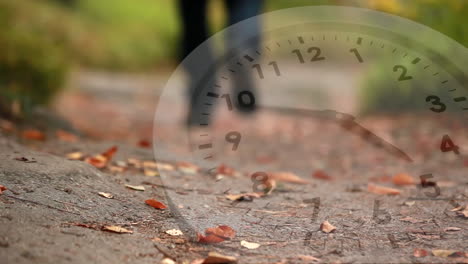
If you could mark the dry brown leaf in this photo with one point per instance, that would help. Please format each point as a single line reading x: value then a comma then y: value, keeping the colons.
x: 144, y: 143
x: 411, y: 220
x: 109, y: 154
x: 463, y: 213
x: 403, y: 179
x: 66, y: 136
x: 75, y: 156
x: 249, y: 245
x: 155, y: 204
x: 327, y: 227
x: 243, y: 196
x: 187, y: 167
x: 150, y: 173
x: 165, y: 166
x: 98, y: 161
x: 443, y: 252
x: 216, y: 234
x: 409, y: 203
x: 419, y: 252
x: 377, y: 189
x: 225, y: 170
x: 174, y: 232
x: 106, y: 195
x: 116, y: 229
x: 167, y: 261
x: 216, y: 258
x: 308, y: 258
x: 2, y: 188
x: 148, y: 164
x: 135, y: 163
x: 116, y: 169
x: 135, y: 187
x: 33, y: 134
x: 321, y: 175
x: 287, y: 177
x: 451, y: 229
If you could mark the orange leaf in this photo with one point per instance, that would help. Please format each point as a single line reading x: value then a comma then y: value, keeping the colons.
x: 2, y: 188
x: 65, y: 136
x: 144, y: 143
x: 98, y: 161
x: 419, y: 252
x: 155, y: 204
x: 217, y: 234
x: 287, y: 177
x: 108, y: 154
x: 382, y: 189
x: 225, y: 170
x: 33, y: 134
x: 319, y: 174
x: 403, y: 179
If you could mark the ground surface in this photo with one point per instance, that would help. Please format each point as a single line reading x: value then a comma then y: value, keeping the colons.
x: 52, y: 212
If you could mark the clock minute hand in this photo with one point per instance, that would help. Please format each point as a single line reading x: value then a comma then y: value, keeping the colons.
x: 346, y: 121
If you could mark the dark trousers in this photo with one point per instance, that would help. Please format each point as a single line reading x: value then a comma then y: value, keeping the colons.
x: 195, y: 30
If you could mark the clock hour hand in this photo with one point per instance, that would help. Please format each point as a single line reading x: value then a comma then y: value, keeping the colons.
x: 346, y: 121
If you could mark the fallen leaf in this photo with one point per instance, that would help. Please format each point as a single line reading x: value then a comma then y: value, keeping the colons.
x: 144, y: 143
x: 134, y: 162
x: 321, y: 175
x: 106, y: 195
x: 216, y: 234
x: 174, y: 232
x: 409, y: 203
x: 463, y: 213
x: 442, y: 252
x: 98, y: 161
x: 377, y: 189
x: 187, y: 167
x: 33, y: 134
x: 167, y: 261
x: 150, y: 164
x: 116, y: 169
x: 459, y: 208
x: 243, y: 196
x: 135, y: 187
x: 287, y: 177
x: 108, y: 154
x: 216, y: 258
x: 150, y: 173
x: 403, y: 179
x: 419, y: 252
x: 75, y: 156
x: 2, y: 188
x: 66, y: 136
x: 225, y: 170
x: 116, y: 229
x: 249, y: 245
x: 452, y: 228
x: 165, y: 166
x: 155, y: 204
x: 327, y: 227
x: 308, y: 258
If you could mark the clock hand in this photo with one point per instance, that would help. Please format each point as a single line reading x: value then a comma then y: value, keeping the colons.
x: 346, y: 121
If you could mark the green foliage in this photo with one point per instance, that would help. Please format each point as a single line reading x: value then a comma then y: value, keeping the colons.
x: 33, y: 61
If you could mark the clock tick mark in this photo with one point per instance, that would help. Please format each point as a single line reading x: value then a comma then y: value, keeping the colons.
x: 444, y: 81
x: 460, y: 99
x: 210, y: 94
x: 435, y: 74
x: 416, y: 60
x: 247, y: 57
x: 359, y: 41
x: 453, y: 90
x: 427, y: 66
x: 301, y: 39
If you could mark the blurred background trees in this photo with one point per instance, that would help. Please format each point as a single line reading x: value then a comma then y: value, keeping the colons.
x: 43, y: 39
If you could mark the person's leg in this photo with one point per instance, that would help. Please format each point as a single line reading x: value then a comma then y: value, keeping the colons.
x: 239, y: 10
x: 194, y: 32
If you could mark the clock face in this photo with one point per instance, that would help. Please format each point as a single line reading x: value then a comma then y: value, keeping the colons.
x: 335, y: 132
